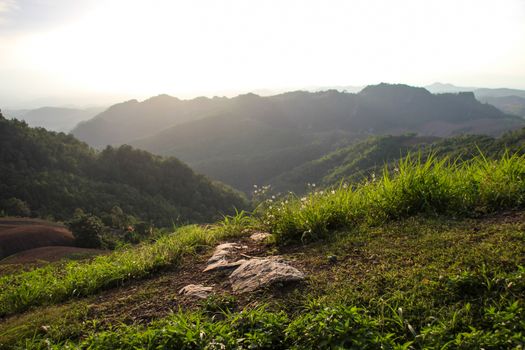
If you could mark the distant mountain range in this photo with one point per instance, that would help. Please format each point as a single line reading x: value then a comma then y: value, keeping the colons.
x: 511, y: 101
x: 439, y: 88
x: 53, y: 118
x: 251, y: 139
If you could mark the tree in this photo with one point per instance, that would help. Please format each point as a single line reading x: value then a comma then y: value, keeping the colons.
x: 87, y: 229
x: 16, y: 207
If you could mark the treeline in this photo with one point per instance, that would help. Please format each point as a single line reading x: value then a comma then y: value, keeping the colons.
x: 48, y: 174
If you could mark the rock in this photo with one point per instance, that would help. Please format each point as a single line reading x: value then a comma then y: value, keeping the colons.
x: 196, y: 290
x: 222, y: 251
x: 228, y: 246
x: 260, y: 236
x: 222, y: 265
x: 258, y: 273
x: 332, y: 259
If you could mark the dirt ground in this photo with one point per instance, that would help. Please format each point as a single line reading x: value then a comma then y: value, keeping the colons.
x: 143, y: 301
x: 50, y: 254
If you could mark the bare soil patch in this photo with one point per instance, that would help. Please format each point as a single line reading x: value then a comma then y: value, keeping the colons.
x: 20, y: 234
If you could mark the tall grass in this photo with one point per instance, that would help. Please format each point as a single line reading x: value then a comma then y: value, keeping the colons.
x: 432, y: 186
x: 54, y: 283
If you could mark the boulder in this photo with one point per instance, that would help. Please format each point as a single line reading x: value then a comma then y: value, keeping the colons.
x: 223, y: 251
x: 262, y: 272
x: 196, y: 290
x: 223, y: 265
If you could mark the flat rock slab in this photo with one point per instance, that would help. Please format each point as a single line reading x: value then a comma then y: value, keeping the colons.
x: 260, y: 236
x: 258, y: 273
x: 223, y: 251
x: 196, y: 290
x: 223, y: 265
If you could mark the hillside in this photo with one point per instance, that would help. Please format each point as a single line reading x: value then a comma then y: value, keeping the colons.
x: 362, y: 159
x: 428, y: 257
x: 50, y: 174
x: 480, y: 93
x: 258, y: 138
x: 130, y: 120
x: 510, y: 101
x: 514, y: 105
x: 54, y: 118
x: 17, y: 235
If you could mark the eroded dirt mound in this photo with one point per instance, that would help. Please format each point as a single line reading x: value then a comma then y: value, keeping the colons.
x: 50, y: 254
x: 17, y: 235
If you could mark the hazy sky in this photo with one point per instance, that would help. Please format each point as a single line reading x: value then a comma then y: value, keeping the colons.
x: 83, y: 50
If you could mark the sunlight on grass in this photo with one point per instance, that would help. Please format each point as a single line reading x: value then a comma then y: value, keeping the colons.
x: 54, y: 283
x: 414, y: 187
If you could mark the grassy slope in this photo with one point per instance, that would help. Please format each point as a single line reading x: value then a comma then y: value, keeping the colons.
x: 438, y: 276
x: 360, y: 160
x: 410, y: 273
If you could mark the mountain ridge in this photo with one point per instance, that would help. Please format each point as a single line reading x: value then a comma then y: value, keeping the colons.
x: 250, y: 139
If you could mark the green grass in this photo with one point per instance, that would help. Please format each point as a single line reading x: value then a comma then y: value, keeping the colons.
x: 430, y: 187
x: 421, y: 264
x: 412, y: 284
x: 56, y: 283
x: 419, y: 283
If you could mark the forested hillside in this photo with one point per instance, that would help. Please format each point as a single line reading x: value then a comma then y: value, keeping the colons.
x: 50, y: 174
x: 509, y: 104
x: 361, y: 160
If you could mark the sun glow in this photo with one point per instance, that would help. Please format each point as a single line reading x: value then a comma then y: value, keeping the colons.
x: 193, y: 47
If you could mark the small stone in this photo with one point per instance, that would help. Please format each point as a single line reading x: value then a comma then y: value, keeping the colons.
x: 196, y: 290
x: 222, y: 265
x: 260, y: 236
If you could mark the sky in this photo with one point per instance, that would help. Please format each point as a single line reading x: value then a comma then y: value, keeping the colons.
x: 91, y: 52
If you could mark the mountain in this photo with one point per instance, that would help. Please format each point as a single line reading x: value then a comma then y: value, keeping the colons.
x: 361, y: 160
x: 49, y: 174
x: 510, y: 101
x: 502, y: 92
x: 514, y: 105
x: 54, y: 118
x: 250, y: 139
x: 480, y: 93
x: 440, y: 88
x: 124, y: 122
